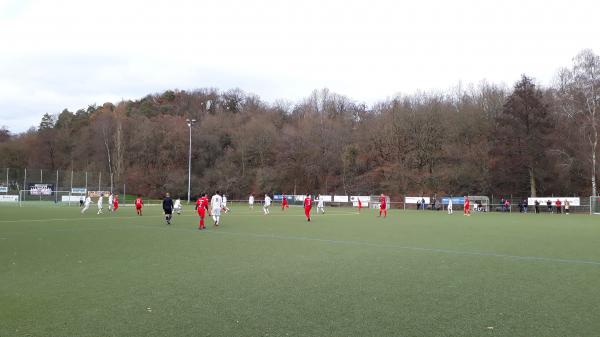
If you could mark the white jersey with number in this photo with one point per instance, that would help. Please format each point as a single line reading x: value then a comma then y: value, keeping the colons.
x: 88, y: 201
x: 224, y: 201
x: 177, y: 204
x: 110, y: 199
x: 216, y: 202
x: 251, y: 200
x: 100, y: 202
x: 267, y: 201
x: 320, y: 202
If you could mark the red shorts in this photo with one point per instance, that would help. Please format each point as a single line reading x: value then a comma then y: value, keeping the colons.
x: 382, y: 206
x: 138, y: 206
x: 202, y: 212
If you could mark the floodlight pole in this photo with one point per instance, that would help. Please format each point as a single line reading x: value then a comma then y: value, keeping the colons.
x: 190, y: 122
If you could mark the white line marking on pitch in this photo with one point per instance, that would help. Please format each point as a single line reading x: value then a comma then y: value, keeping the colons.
x: 68, y: 219
x: 432, y: 250
x: 157, y: 215
x: 377, y: 245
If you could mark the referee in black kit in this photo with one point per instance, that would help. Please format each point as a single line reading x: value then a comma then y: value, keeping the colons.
x: 168, y: 208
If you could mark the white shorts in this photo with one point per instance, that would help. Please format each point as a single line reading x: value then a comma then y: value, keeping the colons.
x: 216, y: 211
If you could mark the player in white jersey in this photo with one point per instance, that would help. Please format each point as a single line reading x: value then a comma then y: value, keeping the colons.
x: 110, y: 202
x: 251, y: 201
x: 320, y: 206
x: 267, y: 204
x: 177, y: 206
x: 100, y: 204
x: 225, y: 208
x: 87, y: 204
x: 216, y: 204
x: 449, y: 205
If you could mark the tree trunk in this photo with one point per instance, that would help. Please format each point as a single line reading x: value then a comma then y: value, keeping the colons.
x: 532, y: 183
x: 119, y: 150
x: 108, y: 157
x: 595, y: 143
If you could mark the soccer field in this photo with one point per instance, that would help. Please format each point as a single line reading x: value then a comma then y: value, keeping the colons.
x: 343, y: 274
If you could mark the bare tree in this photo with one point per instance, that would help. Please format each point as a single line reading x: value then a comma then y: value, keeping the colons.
x: 579, y: 88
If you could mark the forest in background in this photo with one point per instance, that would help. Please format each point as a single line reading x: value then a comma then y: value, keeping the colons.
x: 483, y: 139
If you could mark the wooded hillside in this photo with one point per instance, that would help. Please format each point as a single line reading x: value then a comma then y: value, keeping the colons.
x: 483, y: 139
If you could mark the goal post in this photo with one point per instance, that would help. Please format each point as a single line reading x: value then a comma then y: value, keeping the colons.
x: 374, y: 201
x: 48, y: 198
x: 479, y: 203
x: 595, y: 205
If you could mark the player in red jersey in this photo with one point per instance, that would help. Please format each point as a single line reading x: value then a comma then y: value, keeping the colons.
x: 116, y: 203
x: 284, y: 203
x: 359, y: 205
x: 467, y: 210
x: 202, y: 207
x: 138, y: 204
x: 383, y: 205
x: 307, y: 206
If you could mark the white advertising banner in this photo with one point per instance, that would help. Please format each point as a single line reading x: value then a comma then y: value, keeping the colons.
x: 71, y: 198
x: 364, y: 200
x: 326, y: 198
x: 3, y: 189
x: 543, y: 201
x: 96, y: 194
x: 299, y: 197
x: 9, y: 198
x: 41, y: 189
x: 340, y: 198
x: 415, y: 200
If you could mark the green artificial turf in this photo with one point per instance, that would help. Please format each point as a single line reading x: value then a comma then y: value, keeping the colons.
x: 343, y: 274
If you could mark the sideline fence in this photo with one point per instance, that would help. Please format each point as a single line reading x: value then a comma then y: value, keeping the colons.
x: 69, y: 184
x: 68, y: 199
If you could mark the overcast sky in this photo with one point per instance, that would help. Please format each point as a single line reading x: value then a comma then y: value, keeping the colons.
x: 73, y: 53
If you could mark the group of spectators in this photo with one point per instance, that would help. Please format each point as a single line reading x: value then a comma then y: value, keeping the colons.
x: 557, y: 206
x: 436, y: 205
x: 433, y: 205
